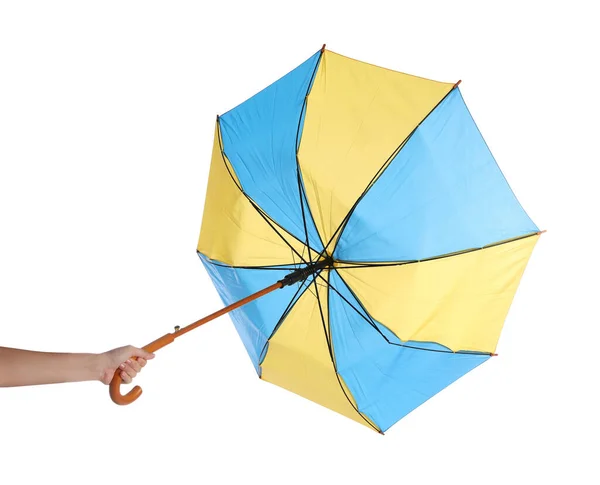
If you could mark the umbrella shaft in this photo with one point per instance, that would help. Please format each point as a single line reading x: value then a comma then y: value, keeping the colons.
x: 227, y: 309
x: 292, y: 278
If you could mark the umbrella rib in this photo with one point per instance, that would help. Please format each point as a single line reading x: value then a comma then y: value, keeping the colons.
x: 378, y: 174
x: 254, y: 205
x: 325, y: 325
x: 301, y: 192
x: 327, y: 332
x: 369, y: 319
x: 272, y: 267
x: 259, y: 210
x: 302, y: 209
x: 383, y: 264
x: 299, y: 293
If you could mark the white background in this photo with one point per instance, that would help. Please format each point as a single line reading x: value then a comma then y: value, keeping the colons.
x: 107, y: 113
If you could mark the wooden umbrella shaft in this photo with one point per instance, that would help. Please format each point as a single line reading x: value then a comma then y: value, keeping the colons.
x: 115, y: 385
x: 157, y: 344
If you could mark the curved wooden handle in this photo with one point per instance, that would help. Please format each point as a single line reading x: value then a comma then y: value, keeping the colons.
x: 115, y: 384
x: 115, y: 391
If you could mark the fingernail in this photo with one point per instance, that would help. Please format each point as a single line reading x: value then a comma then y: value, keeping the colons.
x: 129, y: 361
x: 122, y: 366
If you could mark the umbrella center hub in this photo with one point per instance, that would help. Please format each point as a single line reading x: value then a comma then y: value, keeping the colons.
x: 311, y: 268
x: 327, y: 262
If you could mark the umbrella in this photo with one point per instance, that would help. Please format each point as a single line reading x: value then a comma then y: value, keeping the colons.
x: 362, y: 236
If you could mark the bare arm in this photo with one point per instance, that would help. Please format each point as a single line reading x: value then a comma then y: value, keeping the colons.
x: 26, y: 367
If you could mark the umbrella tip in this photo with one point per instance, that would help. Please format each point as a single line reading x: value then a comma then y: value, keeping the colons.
x: 323, y: 49
x: 493, y: 355
x: 541, y: 232
x: 457, y: 83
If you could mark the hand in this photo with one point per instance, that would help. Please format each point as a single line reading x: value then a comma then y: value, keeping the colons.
x: 121, y: 358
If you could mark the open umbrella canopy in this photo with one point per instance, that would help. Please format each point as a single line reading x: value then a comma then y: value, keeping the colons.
x: 379, y: 185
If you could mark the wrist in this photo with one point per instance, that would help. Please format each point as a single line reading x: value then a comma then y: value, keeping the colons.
x: 96, y: 367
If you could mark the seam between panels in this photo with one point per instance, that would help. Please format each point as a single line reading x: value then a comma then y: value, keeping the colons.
x: 254, y: 205
x: 300, y: 180
x: 327, y: 334
x: 370, y: 321
x: 299, y: 294
x: 325, y: 324
x: 271, y: 267
x: 383, y: 264
x: 377, y: 176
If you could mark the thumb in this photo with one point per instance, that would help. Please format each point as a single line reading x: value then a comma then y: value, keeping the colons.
x: 135, y: 352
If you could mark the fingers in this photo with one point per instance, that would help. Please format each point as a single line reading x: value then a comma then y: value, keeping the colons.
x: 132, y: 360
x: 134, y: 365
x: 125, y: 377
x: 129, y: 370
x: 135, y: 352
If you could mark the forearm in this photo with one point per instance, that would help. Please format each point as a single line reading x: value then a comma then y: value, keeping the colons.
x: 25, y: 367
